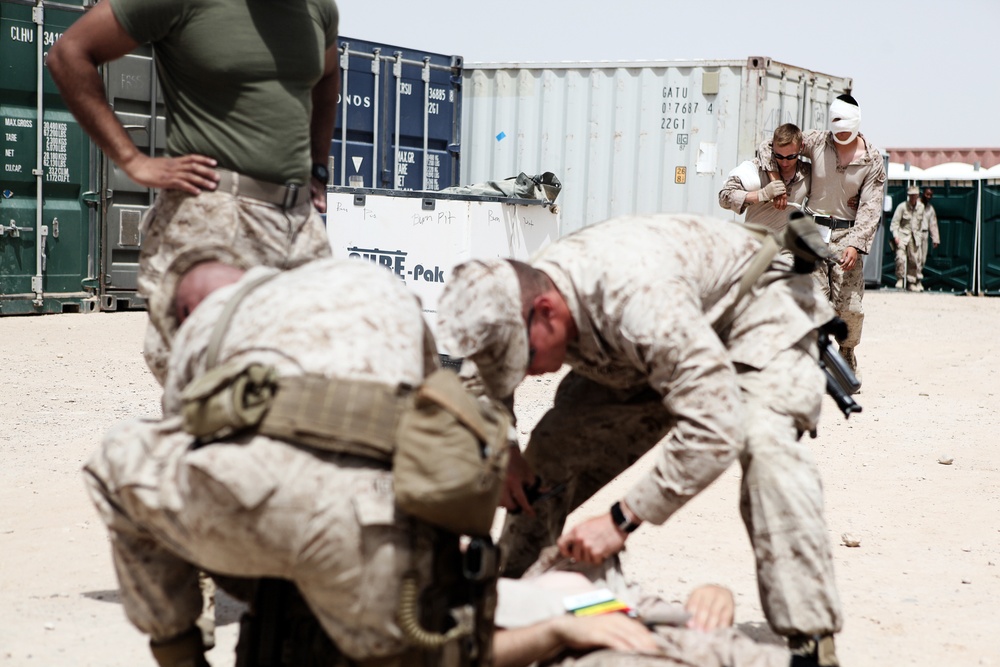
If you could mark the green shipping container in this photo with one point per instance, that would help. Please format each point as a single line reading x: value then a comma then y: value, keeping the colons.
x: 48, y: 196
x: 989, y: 242
x: 950, y: 266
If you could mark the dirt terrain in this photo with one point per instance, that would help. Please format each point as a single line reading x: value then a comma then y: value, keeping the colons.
x: 915, y: 478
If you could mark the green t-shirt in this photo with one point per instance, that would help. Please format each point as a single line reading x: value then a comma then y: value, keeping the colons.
x: 237, y: 77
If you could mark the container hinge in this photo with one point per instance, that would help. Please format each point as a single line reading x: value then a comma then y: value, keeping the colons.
x: 425, y: 73
x: 55, y: 228
x: 376, y: 60
x: 38, y: 14
x: 345, y: 59
x: 91, y: 198
x: 397, y: 65
x: 454, y: 149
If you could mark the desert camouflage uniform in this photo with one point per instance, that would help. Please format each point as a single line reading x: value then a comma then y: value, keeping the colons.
x: 929, y: 235
x: 734, y: 194
x: 256, y: 232
x: 905, y: 227
x: 253, y: 506
x: 654, y: 363
x: 854, y: 192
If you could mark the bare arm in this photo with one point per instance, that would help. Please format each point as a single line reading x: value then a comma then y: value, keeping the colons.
x: 94, y: 39
x: 324, y: 117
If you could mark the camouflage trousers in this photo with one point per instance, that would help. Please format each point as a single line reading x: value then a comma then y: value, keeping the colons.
x: 593, y: 433
x: 908, y: 257
x: 255, y: 507
x: 925, y: 243
x: 681, y: 647
x: 845, y: 289
x: 257, y: 232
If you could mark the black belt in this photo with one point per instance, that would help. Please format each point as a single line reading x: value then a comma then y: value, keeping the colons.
x: 286, y: 196
x: 833, y: 223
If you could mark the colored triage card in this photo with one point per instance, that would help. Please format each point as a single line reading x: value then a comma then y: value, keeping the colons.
x: 591, y: 603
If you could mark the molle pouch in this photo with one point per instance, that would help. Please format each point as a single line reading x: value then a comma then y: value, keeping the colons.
x: 227, y: 399
x: 451, y: 456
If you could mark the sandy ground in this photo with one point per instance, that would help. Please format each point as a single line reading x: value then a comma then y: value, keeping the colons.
x: 923, y: 587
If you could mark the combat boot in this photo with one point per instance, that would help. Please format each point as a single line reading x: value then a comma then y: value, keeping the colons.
x: 899, y: 284
x: 184, y: 650
x: 813, y: 651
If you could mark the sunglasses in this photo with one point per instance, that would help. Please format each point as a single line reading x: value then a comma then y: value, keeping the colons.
x: 778, y: 156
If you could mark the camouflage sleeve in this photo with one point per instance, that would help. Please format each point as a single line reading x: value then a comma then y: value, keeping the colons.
x: 813, y: 140
x: 689, y: 366
x: 869, y: 206
x: 894, y: 224
x: 733, y: 195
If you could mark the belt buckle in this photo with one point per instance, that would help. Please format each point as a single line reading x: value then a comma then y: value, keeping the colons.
x: 291, y: 196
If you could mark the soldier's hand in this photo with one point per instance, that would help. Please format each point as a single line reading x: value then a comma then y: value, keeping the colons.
x: 771, y: 190
x: 615, y: 631
x: 188, y: 173
x: 780, y: 202
x: 711, y: 607
x: 318, y: 191
x: 849, y: 258
x: 593, y: 540
x: 519, y: 476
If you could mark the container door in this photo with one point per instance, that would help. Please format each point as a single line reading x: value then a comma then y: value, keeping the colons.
x: 398, y: 124
x: 132, y: 93
x: 357, y: 150
x: 949, y: 267
x: 989, y: 249
x: 48, y: 235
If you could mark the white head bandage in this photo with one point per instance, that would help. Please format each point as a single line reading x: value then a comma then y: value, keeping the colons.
x: 844, y: 117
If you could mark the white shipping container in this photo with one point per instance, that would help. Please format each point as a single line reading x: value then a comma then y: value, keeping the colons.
x: 421, y: 236
x: 633, y: 137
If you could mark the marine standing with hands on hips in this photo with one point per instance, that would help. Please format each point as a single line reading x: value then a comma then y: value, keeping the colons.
x: 250, y: 91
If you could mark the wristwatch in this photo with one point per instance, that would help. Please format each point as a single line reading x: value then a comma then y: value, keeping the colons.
x: 619, y: 519
x: 321, y: 173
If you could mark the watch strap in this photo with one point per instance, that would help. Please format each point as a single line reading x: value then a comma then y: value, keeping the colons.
x: 620, y: 520
x: 321, y: 172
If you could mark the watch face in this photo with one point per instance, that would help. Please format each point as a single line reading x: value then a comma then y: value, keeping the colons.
x: 320, y: 172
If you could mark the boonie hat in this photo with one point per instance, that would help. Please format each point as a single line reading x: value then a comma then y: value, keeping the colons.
x: 479, y: 318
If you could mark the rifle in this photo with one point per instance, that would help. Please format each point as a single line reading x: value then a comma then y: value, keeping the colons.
x: 841, y: 382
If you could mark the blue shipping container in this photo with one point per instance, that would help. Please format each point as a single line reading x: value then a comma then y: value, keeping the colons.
x: 398, y: 125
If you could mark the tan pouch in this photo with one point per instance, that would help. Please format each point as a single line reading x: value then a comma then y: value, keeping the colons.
x: 227, y: 399
x: 451, y: 456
